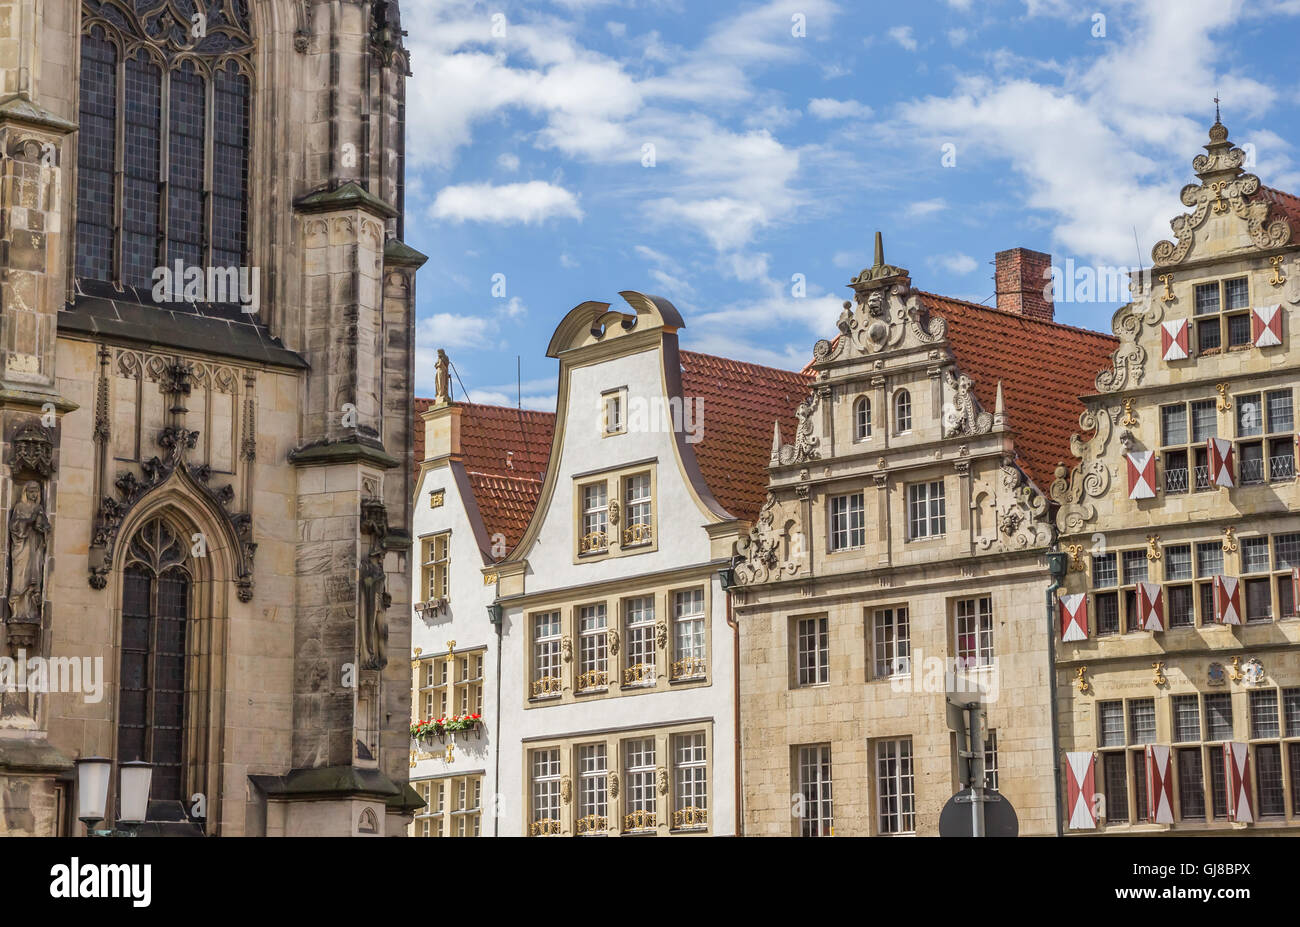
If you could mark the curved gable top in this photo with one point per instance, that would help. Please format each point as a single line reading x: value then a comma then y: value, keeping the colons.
x: 593, y: 322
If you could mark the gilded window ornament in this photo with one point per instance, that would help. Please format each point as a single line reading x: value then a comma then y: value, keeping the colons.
x: 690, y: 816
x: 1229, y: 540
x: 639, y: 673
x: 545, y: 827
x: 1153, y: 547
x: 1081, y: 677
x: 637, y: 534
x: 546, y: 686
x: 1168, y: 295
x: 687, y: 668
x: 640, y: 820
x: 1224, y: 403
x: 1235, y: 672
x: 591, y: 824
x: 1278, y: 277
x: 1159, y: 680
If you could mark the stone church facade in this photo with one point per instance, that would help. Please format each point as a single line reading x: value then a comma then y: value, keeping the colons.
x: 207, y: 356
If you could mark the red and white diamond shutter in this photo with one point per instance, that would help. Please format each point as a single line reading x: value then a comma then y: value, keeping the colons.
x: 1223, y: 462
x: 1141, y: 474
x: 1160, y: 785
x: 1236, y: 768
x: 1150, y: 607
x: 1266, y: 326
x: 1173, y: 339
x: 1080, y: 789
x: 1227, y: 600
x: 1074, y: 617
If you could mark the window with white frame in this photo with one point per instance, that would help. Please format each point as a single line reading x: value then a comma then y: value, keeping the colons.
x: 862, y: 419
x: 816, y: 810
x: 1265, y: 437
x: 895, y: 795
x: 893, y: 639
x: 991, y: 760
x: 848, y: 523
x: 593, y: 790
x: 594, y: 536
x: 466, y: 809
x: 437, y: 566
x: 429, y: 819
x: 688, y: 634
x: 641, y: 811
x: 612, y: 404
x: 690, y: 781
x: 974, y: 619
x: 593, y: 647
x: 813, y: 650
x: 902, y: 412
x: 926, y: 510
x: 546, y: 801
x: 639, y: 632
x: 467, y: 690
x: 1184, y: 430
x: 637, y: 524
x: 546, y: 655
x: 1222, y: 308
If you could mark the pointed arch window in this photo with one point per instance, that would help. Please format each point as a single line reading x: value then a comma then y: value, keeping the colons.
x: 162, y: 157
x: 153, y: 711
x: 862, y: 419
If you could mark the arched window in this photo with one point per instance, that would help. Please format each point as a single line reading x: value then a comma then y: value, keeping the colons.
x: 152, y: 713
x: 171, y: 80
x: 862, y: 419
x: 902, y: 411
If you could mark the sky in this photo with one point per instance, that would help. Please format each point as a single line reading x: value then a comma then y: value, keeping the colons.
x: 738, y: 158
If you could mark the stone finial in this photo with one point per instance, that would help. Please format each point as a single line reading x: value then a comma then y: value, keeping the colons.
x: 442, y: 379
x: 879, y: 274
x: 776, y: 443
x: 999, y: 408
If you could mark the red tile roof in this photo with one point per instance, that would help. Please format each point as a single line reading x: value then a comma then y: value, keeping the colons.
x: 1044, y: 368
x: 505, y: 442
x: 506, y: 505
x: 740, y: 403
x: 1285, y: 205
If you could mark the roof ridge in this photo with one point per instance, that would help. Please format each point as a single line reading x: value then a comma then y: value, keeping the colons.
x: 1017, y: 315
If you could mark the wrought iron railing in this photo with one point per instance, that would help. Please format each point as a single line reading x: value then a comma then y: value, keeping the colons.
x: 546, y: 686
x: 1281, y: 468
x: 1252, y: 471
x: 593, y: 679
x: 593, y: 542
x: 639, y: 674
x: 1176, y: 480
x: 690, y: 816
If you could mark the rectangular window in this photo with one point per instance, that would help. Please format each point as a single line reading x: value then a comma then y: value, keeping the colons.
x: 1111, y: 718
x: 642, y: 812
x: 1107, y: 613
x: 848, y: 523
x: 690, y: 782
x: 546, y: 655
x: 893, y: 642
x: 1291, y: 710
x: 1191, y: 785
x: 637, y: 529
x: 974, y: 632
x: 437, y: 566
x: 1178, y: 562
x: 1236, y: 294
x: 1104, y: 571
x: 813, y: 651
x: 639, y: 631
x: 545, y: 793
x: 815, y: 788
x: 1280, y: 413
x: 895, y: 786
x: 593, y: 647
x: 991, y: 760
x: 1180, y: 605
x: 1207, y: 298
x: 1263, y: 714
x: 593, y: 790
x: 1293, y: 758
x: 1259, y: 600
x: 1238, y: 330
x: 595, y: 519
x: 1173, y: 425
x: 612, y: 403
x: 1142, y: 721
x: 1139, y: 785
x: 1254, y: 555
x: 1209, y: 559
x: 926, y: 510
x: 1205, y: 420
x: 1187, y: 717
x: 1115, y: 771
x: 1135, y: 567
x: 688, y: 634
x: 1268, y: 778
x: 1250, y: 418
x: 1218, y: 716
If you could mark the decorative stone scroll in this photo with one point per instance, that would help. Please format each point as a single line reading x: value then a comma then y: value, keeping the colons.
x: 760, y: 552
x: 1020, y: 513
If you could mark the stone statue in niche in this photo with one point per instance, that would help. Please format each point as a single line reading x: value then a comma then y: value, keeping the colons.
x: 29, y: 531
x: 375, y: 599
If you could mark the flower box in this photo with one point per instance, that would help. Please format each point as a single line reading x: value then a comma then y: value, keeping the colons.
x: 440, y: 727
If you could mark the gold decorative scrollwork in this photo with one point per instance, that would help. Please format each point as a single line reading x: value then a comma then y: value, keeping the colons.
x: 1224, y: 403
x: 593, y: 679
x: 690, y: 816
x: 1076, y: 558
x: 640, y: 820
x: 1168, y: 295
x: 545, y: 827
x: 1229, y: 540
x: 1235, y: 672
x: 687, y: 667
x: 1278, y: 277
x: 593, y: 542
x: 546, y: 686
x: 1159, y: 680
x: 639, y: 673
x: 1081, y: 677
x: 591, y: 824
x: 1153, y: 547
x: 1129, y: 419
x: 637, y: 534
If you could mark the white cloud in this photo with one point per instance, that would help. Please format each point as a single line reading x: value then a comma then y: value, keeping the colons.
x: 903, y: 36
x: 923, y: 208
x: 956, y: 263
x: 507, y: 204
x: 957, y: 37
x: 828, y: 108
x: 508, y: 162
x: 568, y: 262
x: 447, y: 330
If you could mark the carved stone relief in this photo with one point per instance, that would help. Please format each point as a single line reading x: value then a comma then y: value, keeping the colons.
x: 1020, y: 518
x: 763, y: 555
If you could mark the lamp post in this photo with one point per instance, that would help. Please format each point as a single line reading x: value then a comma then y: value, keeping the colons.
x: 134, y: 780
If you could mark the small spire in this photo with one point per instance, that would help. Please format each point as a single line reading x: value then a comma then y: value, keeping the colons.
x: 880, y: 251
x: 776, y: 442
x: 1216, y: 108
x: 999, y: 407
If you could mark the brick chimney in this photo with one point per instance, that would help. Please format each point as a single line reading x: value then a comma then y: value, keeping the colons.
x: 1023, y: 282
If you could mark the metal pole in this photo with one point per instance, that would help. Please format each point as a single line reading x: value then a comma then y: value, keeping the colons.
x: 976, y: 728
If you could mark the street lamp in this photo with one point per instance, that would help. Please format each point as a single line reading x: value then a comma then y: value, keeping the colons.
x: 134, y: 779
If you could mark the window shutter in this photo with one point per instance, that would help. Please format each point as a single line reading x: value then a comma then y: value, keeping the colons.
x: 1160, y: 785
x: 1074, y: 617
x: 1141, y: 474
x: 1081, y: 789
x: 1223, y: 462
x: 1266, y: 326
x: 1173, y: 339
x: 1295, y: 590
x: 1227, y: 600
x: 1236, y: 768
x: 1150, y: 607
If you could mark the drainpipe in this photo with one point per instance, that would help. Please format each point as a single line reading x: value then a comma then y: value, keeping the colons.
x: 1056, y: 565
x: 494, y: 616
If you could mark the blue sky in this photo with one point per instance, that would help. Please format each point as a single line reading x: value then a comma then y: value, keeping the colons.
x: 710, y: 152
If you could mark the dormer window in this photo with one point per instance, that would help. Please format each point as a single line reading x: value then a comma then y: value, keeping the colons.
x: 902, y: 412
x: 862, y: 419
x: 614, y: 411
